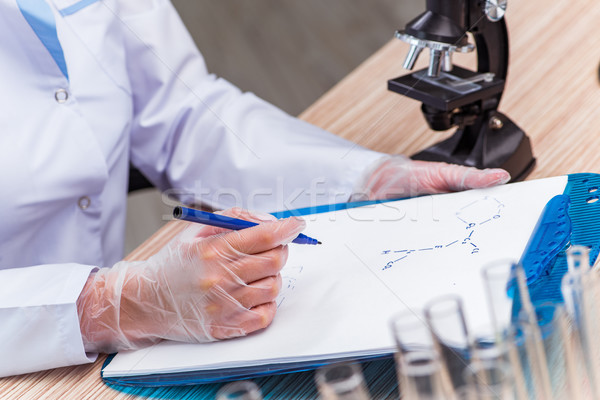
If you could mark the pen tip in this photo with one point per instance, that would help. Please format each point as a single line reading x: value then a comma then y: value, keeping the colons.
x: 319, y: 242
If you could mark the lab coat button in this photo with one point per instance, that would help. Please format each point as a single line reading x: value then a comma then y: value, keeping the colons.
x: 61, y: 95
x: 84, y: 202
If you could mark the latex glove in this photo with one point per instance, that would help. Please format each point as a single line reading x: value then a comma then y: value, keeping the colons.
x: 199, y: 288
x: 400, y: 177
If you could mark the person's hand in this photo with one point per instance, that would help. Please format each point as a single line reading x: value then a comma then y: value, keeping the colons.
x: 207, y: 285
x: 399, y: 177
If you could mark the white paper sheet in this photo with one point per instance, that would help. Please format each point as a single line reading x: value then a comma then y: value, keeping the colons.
x: 337, y: 298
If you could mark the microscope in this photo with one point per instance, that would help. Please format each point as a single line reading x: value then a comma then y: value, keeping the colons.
x: 453, y: 96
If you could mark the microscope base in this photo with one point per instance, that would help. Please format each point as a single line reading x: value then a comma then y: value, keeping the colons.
x: 507, y: 147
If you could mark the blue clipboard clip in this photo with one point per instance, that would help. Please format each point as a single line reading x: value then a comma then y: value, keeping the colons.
x: 552, y: 235
x: 570, y: 218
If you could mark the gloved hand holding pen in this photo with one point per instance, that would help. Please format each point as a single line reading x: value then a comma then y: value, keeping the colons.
x: 215, y: 284
x: 400, y: 177
x: 209, y: 284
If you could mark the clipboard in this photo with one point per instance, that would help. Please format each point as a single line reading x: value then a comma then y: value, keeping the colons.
x: 572, y: 217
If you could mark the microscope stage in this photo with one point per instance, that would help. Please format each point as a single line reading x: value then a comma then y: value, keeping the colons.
x: 448, y: 91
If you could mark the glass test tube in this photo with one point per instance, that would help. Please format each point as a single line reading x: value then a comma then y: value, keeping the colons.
x: 580, y: 293
x: 421, y: 377
x: 578, y: 259
x: 564, y: 381
x: 341, y: 381
x: 488, y: 380
x: 421, y: 374
x: 239, y: 390
x: 533, y: 342
x: 501, y: 289
x: 446, y: 319
x: 576, y: 373
x: 500, y: 281
x: 572, y: 284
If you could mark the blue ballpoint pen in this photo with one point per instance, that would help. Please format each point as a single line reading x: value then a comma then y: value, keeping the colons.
x: 222, y: 221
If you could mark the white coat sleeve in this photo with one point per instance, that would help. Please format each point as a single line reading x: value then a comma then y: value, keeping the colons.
x: 38, y: 312
x: 220, y: 146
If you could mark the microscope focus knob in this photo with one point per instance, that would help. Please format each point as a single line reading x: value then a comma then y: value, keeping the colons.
x: 495, y: 9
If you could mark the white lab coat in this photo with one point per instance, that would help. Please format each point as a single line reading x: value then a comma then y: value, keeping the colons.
x: 138, y: 91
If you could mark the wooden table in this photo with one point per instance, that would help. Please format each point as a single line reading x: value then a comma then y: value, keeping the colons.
x: 552, y: 94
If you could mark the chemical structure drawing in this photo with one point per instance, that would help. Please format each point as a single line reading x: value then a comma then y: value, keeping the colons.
x: 289, y: 279
x: 472, y: 217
